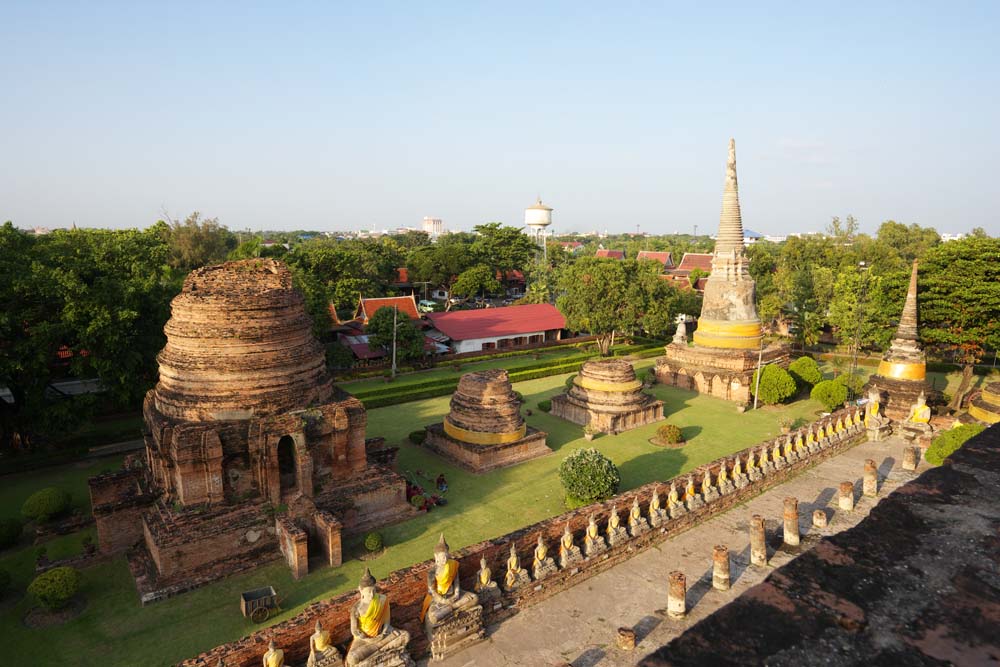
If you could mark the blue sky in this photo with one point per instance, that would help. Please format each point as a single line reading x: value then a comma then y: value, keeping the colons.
x: 343, y: 116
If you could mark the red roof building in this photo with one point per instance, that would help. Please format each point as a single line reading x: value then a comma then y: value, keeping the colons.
x: 695, y: 260
x: 610, y: 254
x: 407, y: 305
x: 663, y: 258
x: 493, y: 328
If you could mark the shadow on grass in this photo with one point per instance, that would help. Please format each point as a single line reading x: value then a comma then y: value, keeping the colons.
x: 689, y: 432
x: 656, y: 466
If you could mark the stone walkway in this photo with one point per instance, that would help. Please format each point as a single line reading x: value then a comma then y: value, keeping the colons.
x: 579, y: 625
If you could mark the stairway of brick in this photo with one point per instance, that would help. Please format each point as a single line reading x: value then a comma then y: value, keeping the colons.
x: 579, y: 625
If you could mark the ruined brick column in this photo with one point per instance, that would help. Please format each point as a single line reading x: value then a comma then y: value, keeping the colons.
x: 720, y: 568
x: 870, y: 484
x: 758, y: 544
x: 677, y: 595
x: 819, y: 518
x: 847, y: 496
x: 911, y: 456
x: 791, y: 517
x: 625, y: 638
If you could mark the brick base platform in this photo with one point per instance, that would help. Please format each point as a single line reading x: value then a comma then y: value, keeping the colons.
x: 483, y: 458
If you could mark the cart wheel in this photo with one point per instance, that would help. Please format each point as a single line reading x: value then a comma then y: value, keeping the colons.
x: 259, y: 615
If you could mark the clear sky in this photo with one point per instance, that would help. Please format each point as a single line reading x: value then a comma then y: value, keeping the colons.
x: 347, y: 115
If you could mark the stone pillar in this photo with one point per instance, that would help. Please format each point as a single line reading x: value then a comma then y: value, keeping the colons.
x: 791, y: 517
x: 911, y: 457
x: 720, y: 568
x: 846, y: 496
x: 870, y: 484
x: 677, y: 595
x: 625, y: 639
x: 758, y: 544
x: 819, y: 518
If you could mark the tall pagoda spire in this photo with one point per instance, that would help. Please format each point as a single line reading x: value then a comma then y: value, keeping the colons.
x: 730, y: 236
x: 905, y: 359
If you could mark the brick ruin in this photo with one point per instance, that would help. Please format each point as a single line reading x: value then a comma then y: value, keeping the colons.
x: 251, y: 452
x: 484, y: 429
x: 406, y: 588
x: 607, y: 395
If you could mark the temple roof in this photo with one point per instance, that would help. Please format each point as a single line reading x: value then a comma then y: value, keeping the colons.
x: 730, y: 236
x: 663, y: 258
x: 610, y: 254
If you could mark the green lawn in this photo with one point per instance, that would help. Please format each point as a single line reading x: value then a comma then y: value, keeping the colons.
x: 14, y: 489
x: 115, y: 630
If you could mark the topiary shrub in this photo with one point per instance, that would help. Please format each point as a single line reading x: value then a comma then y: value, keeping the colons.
x: 569, y: 381
x: 417, y: 437
x: 545, y: 406
x: 10, y: 532
x: 670, y: 434
x: 776, y: 385
x: 853, y: 383
x: 805, y: 371
x: 373, y: 542
x: 945, y: 444
x: 588, y: 476
x: 45, y: 504
x: 831, y: 394
x: 55, y: 588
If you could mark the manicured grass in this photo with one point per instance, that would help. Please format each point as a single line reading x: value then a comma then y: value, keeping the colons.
x: 115, y: 630
x: 72, y: 477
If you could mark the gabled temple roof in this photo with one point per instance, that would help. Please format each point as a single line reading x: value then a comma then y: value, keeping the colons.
x: 610, y: 254
x: 695, y: 260
x: 406, y: 304
x: 495, y: 322
x: 664, y: 258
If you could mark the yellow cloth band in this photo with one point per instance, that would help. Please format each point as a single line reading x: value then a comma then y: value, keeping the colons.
x: 902, y: 371
x: 598, y: 385
x: 983, y: 415
x: 734, y: 335
x: 483, y: 438
x: 375, y: 616
x: 992, y: 399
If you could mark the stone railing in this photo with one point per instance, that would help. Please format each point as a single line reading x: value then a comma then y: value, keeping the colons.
x: 406, y: 587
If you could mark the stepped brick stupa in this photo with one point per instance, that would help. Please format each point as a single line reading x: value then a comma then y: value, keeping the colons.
x: 249, y: 446
x: 607, y: 395
x: 727, y: 342
x: 484, y: 429
x: 986, y: 406
x: 902, y: 373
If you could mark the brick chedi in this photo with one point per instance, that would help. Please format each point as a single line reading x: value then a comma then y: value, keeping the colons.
x: 607, y: 395
x: 726, y: 344
x: 484, y: 429
x: 244, y: 418
x: 902, y: 373
x: 986, y: 406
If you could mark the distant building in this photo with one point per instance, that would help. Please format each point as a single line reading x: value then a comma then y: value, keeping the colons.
x: 610, y: 254
x: 571, y: 246
x: 433, y: 226
x: 498, y: 328
x: 406, y: 305
x: 952, y: 237
x: 664, y: 258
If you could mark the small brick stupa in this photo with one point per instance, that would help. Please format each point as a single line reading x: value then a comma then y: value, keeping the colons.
x: 902, y: 373
x: 727, y: 342
x: 607, y: 395
x: 484, y: 429
x: 250, y: 449
x: 986, y: 406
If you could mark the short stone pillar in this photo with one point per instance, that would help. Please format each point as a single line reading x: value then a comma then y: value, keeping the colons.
x: 758, y: 544
x: 625, y: 639
x: 720, y: 568
x: 846, y: 496
x: 791, y: 525
x: 870, y: 483
x: 819, y: 518
x: 911, y: 457
x: 676, y: 595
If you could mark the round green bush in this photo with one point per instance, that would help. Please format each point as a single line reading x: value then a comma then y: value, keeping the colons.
x: 670, y: 434
x: 831, y: 394
x: 852, y: 382
x: 945, y: 444
x: 373, y: 542
x: 417, y: 437
x: 776, y: 385
x: 45, y: 504
x: 55, y: 588
x: 545, y: 406
x: 4, y: 582
x: 805, y: 371
x: 10, y: 532
x: 588, y: 476
x: 418, y: 501
x: 569, y: 381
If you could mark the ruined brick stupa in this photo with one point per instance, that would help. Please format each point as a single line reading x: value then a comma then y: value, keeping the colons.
x: 986, y: 406
x: 243, y: 424
x: 724, y: 356
x: 608, y: 396
x: 484, y: 429
x: 902, y: 373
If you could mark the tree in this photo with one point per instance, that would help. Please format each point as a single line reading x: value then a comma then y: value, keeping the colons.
x: 477, y: 280
x: 501, y: 248
x: 588, y: 476
x: 776, y: 385
x: 866, y: 306
x: 910, y: 242
x: 806, y: 371
x: 409, y: 339
x: 831, y: 394
x: 196, y: 242
x: 842, y: 230
x: 440, y: 264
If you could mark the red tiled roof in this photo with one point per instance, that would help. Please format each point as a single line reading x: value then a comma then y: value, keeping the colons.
x: 511, y: 276
x: 695, y: 260
x: 663, y: 258
x: 402, y: 275
x: 491, y: 322
x: 571, y: 245
x: 610, y: 254
x: 405, y: 304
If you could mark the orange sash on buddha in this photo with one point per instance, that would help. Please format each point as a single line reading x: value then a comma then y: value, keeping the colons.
x: 443, y: 582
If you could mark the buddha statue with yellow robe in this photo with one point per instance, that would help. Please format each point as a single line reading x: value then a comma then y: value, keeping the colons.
x: 708, y: 490
x: 484, y: 578
x: 542, y: 565
x: 637, y: 523
x: 615, y: 531
x: 569, y: 553
x: 374, y: 639
x: 674, y: 504
x: 444, y: 594
x: 776, y: 458
x: 918, y: 422
x: 692, y: 498
x: 657, y: 515
x: 873, y: 418
x: 274, y: 657
x: 516, y: 575
x: 593, y: 541
x: 322, y: 653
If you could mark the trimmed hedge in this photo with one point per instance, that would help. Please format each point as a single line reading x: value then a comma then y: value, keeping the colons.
x: 45, y: 504
x: 945, y: 444
x: 373, y: 542
x: 55, y: 588
x: 776, y: 385
x: 545, y: 406
x: 831, y: 394
x: 806, y: 371
x: 588, y: 476
x: 670, y: 433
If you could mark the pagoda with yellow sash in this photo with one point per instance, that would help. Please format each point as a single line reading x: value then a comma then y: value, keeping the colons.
x: 727, y: 342
x: 902, y: 373
x: 607, y: 396
x: 484, y: 429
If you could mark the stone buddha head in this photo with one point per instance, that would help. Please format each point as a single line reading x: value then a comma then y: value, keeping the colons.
x: 366, y: 587
x: 441, y: 552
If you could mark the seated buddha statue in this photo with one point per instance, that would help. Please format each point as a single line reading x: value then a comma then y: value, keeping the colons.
x: 776, y: 458
x: 322, y: 653
x: 615, y: 531
x: 374, y: 638
x: 637, y: 523
x: 722, y: 479
x: 692, y: 497
x: 800, y: 445
x: 274, y: 657
x: 516, y: 575
x: 542, y: 564
x: 593, y: 541
x: 765, y: 461
x: 753, y: 470
x: 674, y: 504
x: 918, y: 422
x: 484, y: 579
x: 569, y: 553
x: 873, y: 418
x: 657, y: 515
x: 708, y: 490
x: 738, y: 475
x: 444, y: 593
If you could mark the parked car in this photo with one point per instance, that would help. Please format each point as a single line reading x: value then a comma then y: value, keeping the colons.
x: 425, y: 306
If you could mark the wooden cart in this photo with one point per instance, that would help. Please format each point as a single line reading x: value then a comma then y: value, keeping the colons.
x: 258, y: 603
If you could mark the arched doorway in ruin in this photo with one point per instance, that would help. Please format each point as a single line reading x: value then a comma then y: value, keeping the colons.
x: 286, y: 463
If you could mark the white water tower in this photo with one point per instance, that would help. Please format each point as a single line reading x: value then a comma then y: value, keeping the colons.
x: 536, y: 219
